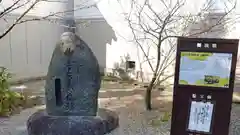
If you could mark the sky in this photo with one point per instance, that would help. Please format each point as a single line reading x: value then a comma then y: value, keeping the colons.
x: 44, y: 8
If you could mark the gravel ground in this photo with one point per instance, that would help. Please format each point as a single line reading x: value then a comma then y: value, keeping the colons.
x: 128, y: 103
x: 134, y: 120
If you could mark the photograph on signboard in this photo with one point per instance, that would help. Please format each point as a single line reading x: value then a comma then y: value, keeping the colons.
x: 200, y: 117
x: 205, y: 69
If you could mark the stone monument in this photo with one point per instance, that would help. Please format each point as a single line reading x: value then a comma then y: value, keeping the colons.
x: 72, y: 86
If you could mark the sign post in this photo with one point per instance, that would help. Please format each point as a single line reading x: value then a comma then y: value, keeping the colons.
x: 203, y: 86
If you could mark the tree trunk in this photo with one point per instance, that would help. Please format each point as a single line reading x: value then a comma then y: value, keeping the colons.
x: 148, y: 96
x: 150, y: 86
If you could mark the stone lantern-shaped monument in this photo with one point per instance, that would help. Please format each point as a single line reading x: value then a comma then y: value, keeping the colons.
x: 71, y: 89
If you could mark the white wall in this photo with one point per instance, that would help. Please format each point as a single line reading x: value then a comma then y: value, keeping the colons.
x: 27, y: 49
x: 99, y: 35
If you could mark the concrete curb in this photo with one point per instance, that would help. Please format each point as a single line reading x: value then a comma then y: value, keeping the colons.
x: 27, y: 80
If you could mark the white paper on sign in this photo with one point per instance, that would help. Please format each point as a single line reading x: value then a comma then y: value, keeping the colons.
x: 200, y: 116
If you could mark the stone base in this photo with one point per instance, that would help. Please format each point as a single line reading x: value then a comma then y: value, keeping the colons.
x: 40, y: 123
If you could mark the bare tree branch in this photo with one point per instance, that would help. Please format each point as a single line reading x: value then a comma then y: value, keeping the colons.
x: 16, y: 5
x: 9, y: 8
x: 18, y: 19
x: 158, y: 27
x: 53, y: 14
x: 138, y: 43
x: 164, y: 79
x: 12, y: 8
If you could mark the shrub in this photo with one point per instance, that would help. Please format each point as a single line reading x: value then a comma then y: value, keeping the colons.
x: 8, y: 99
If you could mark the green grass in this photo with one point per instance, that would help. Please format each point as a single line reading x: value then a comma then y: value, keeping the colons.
x: 183, y: 82
x: 159, y: 121
x: 222, y: 82
x: 201, y: 56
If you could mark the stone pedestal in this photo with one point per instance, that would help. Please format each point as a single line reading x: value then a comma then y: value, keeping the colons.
x: 40, y: 123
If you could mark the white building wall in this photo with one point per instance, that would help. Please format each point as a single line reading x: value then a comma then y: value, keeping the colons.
x: 99, y: 35
x: 27, y: 50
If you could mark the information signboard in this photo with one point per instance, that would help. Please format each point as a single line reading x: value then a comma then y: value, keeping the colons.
x: 205, y: 69
x: 200, y: 116
x: 203, y: 86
